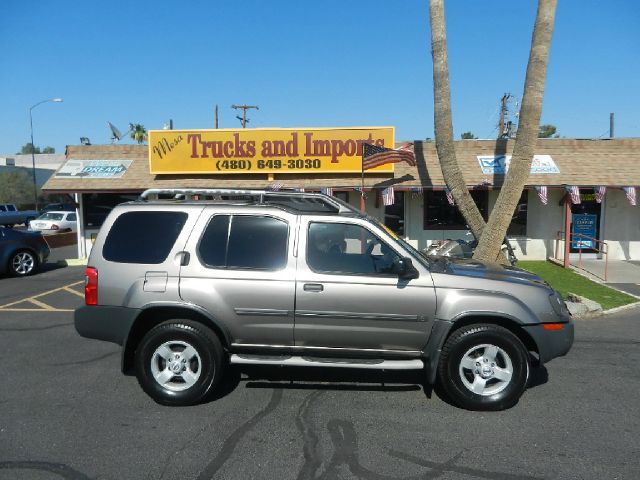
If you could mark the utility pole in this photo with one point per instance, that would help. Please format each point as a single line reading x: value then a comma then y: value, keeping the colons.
x: 216, y: 110
x: 504, y: 111
x: 244, y: 108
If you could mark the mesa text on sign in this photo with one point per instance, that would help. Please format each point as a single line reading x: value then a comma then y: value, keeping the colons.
x: 265, y: 150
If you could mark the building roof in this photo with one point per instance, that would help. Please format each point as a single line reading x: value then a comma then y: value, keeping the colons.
x: 607, y: 162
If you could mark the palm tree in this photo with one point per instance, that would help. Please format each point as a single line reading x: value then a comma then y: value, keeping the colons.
x: 138, y: 132
x: 492, y: 234
x: 451, y: 172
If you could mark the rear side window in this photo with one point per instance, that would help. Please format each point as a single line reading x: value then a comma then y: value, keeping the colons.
x: 143, y: 237
x: 245, y: 242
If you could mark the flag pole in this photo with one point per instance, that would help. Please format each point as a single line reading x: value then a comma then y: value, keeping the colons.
x: 362, y: 200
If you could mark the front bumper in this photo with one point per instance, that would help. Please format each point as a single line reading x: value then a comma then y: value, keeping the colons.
x: 551, y: 343
x: 111, y: 324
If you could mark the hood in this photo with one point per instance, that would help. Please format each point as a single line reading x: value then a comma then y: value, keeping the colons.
x: 481, y: 270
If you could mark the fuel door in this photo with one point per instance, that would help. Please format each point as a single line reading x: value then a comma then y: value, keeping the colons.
x: 155, y: 281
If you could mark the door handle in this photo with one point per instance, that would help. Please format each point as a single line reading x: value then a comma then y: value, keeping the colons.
x: 182, y: 258
x: 313, y: 287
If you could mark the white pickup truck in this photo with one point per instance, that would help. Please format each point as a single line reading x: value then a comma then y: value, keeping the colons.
x: 10, y: 215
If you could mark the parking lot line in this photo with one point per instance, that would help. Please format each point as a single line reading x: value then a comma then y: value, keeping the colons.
x: 44, y: 307
x: 71, y: 290
x: 40, y: 304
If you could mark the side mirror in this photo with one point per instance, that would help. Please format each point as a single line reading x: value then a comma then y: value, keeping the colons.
x: 404, y: 268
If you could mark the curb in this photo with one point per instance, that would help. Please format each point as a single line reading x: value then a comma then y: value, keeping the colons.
x: 622, y: 308
x: 72, y: 262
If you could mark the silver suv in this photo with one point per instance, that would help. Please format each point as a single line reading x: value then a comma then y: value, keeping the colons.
x: 208, y: 278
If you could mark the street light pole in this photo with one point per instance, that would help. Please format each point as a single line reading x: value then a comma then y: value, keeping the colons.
x: 33, y: 147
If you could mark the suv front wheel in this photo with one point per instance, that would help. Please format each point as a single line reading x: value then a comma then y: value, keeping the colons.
x: 483, y: 367
x: 178, y: 362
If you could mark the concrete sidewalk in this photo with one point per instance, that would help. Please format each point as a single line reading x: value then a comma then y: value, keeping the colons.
x: 621, y: 274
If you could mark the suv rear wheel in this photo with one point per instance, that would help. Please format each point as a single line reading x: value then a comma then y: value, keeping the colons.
x: 483, y: 367
x: 179, y: 362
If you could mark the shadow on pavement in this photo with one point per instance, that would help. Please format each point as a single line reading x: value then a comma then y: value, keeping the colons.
x: 344, y: 379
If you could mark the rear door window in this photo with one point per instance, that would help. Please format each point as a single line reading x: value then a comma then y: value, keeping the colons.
x: 244, y: 242
x: 258, y: 243
x: 143, y: 237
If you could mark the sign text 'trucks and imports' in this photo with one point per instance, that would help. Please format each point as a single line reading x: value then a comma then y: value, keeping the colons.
x: 265, y: 150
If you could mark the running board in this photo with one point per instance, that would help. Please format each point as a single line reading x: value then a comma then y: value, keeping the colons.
x: 297, y: 361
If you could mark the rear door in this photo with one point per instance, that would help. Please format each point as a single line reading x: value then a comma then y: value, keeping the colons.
x: 242, y: 271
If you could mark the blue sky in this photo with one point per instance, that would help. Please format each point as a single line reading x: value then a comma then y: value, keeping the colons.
x: 306, y: 64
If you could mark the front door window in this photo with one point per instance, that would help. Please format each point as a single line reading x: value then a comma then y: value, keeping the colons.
x: 346, y: 249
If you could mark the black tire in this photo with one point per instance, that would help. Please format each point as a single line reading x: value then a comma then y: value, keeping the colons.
x: 207, y: 364
x: 460, y: 371
x: 23, y: 263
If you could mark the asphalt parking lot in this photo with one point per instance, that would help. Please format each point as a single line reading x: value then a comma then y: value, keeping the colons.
x: 67, y: 412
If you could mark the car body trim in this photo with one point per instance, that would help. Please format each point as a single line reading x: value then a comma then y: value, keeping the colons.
x: 358, y: 316
x: 266, y: 312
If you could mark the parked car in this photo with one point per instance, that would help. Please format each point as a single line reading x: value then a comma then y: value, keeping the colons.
x: 21, y: 253
x: 299, y: 279
x: 55, y: 222
x: 10, y: 215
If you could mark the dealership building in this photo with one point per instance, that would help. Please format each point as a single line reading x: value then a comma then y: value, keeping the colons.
x: 588, y: 184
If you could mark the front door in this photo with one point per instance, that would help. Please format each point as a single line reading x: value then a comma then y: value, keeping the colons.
x: 585, y: 222
x: 347, y: 297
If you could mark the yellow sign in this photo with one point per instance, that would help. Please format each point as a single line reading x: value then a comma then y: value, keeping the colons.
x: 265, y: 150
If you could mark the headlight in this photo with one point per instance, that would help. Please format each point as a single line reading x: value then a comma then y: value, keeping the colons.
x: 558, y: 305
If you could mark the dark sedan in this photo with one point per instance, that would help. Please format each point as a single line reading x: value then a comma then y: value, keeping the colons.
x: 21, y: 253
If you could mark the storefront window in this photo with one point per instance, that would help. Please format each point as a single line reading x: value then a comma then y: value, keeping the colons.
x: 440, y: 215
x: 394, y: 214
x: 96, y: 206
x: 518, y: 225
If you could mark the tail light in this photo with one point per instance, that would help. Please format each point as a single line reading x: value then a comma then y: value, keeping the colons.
x: 90, y: 286
x: 54, y: 227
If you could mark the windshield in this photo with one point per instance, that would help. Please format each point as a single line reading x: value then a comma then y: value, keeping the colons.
x: 51, y: 216
x: 417, y: 254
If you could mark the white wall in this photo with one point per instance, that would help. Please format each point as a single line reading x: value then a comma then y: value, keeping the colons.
x: 543, y: 224
x: 621, y: 226
x: 621, y: 229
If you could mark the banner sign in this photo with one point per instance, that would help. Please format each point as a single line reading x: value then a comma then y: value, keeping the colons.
x: 585, y: 225
x: 499, y: 164
x: 265, y: 150
x: 93, y: 168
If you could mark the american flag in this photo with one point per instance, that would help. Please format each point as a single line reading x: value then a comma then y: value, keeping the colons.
x: 542, y: 193
x: 600, y: 191
x: 374, y: 156
x: 275, y: 186
x: 416, y: 192
x: 449, y: 196
x: 388, y: 196
x: 574, y: 193
x: 630, y: 192
x: 327, y: 191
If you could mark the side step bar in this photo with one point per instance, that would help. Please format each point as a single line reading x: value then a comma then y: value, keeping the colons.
x: 297, y: 361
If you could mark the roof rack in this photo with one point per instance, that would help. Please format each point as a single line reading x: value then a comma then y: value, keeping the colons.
x: 303, y: 201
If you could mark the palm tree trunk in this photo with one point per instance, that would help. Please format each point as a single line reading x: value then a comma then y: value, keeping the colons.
x: 527, y: 136
x: 451, y: 172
